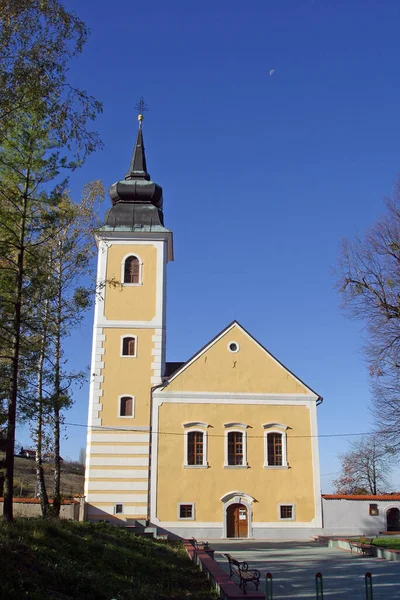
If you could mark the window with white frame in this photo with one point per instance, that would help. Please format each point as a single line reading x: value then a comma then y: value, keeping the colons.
x: 275, y: 454
x: 126, y: 407
x: 287, y: 512
x: 186, y: 511
x: 129, y: 345
x: 118, y: 509
x: 132, y: 270
x: 195, y: 440
x: 235, y: 445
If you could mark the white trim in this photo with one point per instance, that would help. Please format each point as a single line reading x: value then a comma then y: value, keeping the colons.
x: 131, y: 336
x: 120, y: 437
x: 241, y: 425
x: 284, y: 464
x: 268, y: 425
x: 95, y: 474
x: 115, y: 508
x: 229, y: 346
x: 192, y: 518
x: 195, y: 424
x: 186, y: 440
x: 244, y: 444
x: 293, y: 517
x: 233, y: 398
x: 132, y: 416
x: 315, y: 465
x: 127, y: 284
x: 113, y: 449
x: 118, y: 486
x: 119, y: 461
x: 117, y: 497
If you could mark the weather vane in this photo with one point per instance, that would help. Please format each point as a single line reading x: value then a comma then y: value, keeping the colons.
x: 141, y: 107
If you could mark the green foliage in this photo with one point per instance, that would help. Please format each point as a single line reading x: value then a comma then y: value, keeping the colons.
x: 62, y: 559
x: 38, y: 40
x: 389, y: 542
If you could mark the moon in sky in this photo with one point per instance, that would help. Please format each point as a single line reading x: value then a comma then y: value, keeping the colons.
x: 272, y: 71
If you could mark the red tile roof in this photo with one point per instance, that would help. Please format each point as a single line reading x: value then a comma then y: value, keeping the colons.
x: 361, y: 497
x: 37, y: 501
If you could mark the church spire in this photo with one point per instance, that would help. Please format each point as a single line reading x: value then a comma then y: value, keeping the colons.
x: 138, y: 166
x: 137, y: 201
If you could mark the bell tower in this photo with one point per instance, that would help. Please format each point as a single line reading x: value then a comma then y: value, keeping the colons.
x: 128, y: 355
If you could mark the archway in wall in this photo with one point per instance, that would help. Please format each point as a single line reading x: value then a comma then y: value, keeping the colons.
x: 237, y: 524
x: 393, y: 519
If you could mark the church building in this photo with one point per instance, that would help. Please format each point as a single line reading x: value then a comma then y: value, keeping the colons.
x: 222, y: 445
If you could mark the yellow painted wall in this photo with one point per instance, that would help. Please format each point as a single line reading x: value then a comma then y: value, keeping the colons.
x: 126, y: 375
x: 251, y: 370
x: 206, y: 486
x: 131, y: 302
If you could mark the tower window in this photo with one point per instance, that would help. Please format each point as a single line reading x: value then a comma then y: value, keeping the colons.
x: 126, y: 406
x: 132, y: 270
x: 129, y: 346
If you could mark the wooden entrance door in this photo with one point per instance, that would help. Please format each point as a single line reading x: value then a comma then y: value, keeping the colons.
x: 236, y: 521
x: 393, y: 519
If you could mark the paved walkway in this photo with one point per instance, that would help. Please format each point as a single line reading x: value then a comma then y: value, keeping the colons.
x: 294, y: 564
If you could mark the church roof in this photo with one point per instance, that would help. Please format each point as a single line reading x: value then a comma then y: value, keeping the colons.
x: 137, y: 202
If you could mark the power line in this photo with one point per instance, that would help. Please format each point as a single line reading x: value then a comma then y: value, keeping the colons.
x: 129, y: 430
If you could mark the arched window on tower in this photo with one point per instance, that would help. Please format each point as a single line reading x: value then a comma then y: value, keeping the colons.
x: 132, y: 270
x: 129, y: 346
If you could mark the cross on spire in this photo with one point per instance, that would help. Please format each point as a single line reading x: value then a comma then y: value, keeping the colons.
x: 141, y: 107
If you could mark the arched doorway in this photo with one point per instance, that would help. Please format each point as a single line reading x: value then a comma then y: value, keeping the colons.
x: 237, y: 524
x: 393, y: 519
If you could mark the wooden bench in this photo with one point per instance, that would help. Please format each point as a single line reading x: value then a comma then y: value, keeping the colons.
x: 364, y: 544
x: 204, y: 546
x: 241, y: 570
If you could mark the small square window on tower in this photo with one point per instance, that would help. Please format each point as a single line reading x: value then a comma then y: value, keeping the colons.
x: 373, y: 510
x: 118, y: 509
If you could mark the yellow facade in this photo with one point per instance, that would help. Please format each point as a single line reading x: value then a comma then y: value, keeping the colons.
x: 250, y: 370
x: 127, y: 375
x: 205, y: 487
x: 136, y: 302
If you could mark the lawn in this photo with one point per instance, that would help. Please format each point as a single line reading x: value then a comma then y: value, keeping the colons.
x: 392, y: 543
x: 61, y: 560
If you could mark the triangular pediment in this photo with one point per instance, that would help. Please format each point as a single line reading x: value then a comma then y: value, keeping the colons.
x: 235, y: 362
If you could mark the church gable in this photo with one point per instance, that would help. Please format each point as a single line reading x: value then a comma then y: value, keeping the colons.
x: 234, y: 362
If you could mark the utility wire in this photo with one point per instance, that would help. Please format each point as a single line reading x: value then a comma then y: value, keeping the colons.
x: 129, y: 430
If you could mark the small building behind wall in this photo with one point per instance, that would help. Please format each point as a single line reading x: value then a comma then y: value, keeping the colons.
x: 360, y: 515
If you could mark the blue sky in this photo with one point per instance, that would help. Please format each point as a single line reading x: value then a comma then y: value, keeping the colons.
x: 263, y: 175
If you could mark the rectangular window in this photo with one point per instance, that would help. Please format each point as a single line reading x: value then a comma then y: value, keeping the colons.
x: 286, y: 512
x: 235, y: 448
x: 185, y: 511
x: 274, y: 448
x: 195, y: 448
x: 373, y: 510
x: 118, y: 509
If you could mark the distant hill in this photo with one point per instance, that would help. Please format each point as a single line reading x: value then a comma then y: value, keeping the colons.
x: 72, y: 477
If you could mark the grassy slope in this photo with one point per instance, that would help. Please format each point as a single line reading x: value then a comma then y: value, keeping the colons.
x: 64, y: 560
x: 25, y: 478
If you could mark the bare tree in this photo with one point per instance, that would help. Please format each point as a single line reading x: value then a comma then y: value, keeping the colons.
x: 370, y: 284
x: 365, y: 468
